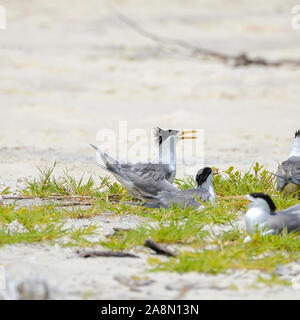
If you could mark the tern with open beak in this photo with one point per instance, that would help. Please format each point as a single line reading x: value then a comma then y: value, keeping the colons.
x: 262, y: 215
x: 143, y: 180
x: 288, y: 175
x: 187, y: 198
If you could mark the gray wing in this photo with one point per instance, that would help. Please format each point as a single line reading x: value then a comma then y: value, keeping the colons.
x: 286, y: 220
x: 185, y: 198
x: 153, y: 171
x: 291, y: 210
x: 146, y: 184
x: 289, y: 170
x: 143, y: 180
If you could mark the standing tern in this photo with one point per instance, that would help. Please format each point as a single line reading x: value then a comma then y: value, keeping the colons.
x: 288, y: 175
x: 262, y: 215
x: 143, y: 180
x: 187, y: 198
x: 164, y: 148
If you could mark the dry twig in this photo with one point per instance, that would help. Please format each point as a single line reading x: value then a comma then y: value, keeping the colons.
x: 99, y: 253
x: 159, y: 248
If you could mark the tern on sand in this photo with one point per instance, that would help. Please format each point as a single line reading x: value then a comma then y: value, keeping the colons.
x: 288, y: 175
x: 143, y: 180
x: 187, y: 198
x: 262, y: 214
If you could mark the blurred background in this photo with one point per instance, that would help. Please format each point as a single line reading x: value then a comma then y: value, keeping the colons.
x: 69, y: 68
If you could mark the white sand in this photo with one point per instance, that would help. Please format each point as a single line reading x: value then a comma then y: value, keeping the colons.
x: 70, y: 68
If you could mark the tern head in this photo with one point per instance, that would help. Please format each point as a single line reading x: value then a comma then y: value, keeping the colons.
x: 261, y: 201
x: 295, y: 152
x: 162, y: 135
x: 204, y: 175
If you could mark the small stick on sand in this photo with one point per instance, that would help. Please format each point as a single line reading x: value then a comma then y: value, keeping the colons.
x: 117, y: 232
x: 99, y: 253
x: 70, y: 204
x: 117, y: 229
x: 159, y: 248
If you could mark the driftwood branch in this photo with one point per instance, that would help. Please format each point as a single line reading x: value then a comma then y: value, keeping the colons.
x: 241, y: 59
x: 99, y: 253
x: 160, y: 249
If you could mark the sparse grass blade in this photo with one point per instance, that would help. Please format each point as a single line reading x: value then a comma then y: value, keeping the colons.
x: 210, y: 249
x: 50, y: 232
x: 48, y: 185
x: 186, y: 232
x: 5, y: 191
x: 233, y: 182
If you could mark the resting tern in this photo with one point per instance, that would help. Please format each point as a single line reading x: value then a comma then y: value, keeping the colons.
x: 262, y: 215
x: 187, y: 198
x: 288, y: 173
x: 143, y: 180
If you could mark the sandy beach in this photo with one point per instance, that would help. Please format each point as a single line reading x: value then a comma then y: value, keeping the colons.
x: 72, y: 68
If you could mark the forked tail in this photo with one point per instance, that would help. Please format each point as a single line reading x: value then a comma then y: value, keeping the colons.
x: 110, y: 163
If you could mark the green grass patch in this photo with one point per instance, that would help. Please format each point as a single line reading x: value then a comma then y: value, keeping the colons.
x: 47, y: 185
x: 47, y: 233
x: 233, y: 182
x: 41, y: 223
x: 80, y: 233
x: 226, y: 258
x: 30, y: 217
x: 209, y: 252
x: 263, y: 253
x: 186, y: 232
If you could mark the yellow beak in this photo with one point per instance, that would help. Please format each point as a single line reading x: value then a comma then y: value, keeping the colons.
x: 184, y: 132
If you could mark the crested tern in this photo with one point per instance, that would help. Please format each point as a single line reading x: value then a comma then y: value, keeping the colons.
x: 187, y: 198
x: 262, y: 215
x: 143, y: 180
x: 288, y: 174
